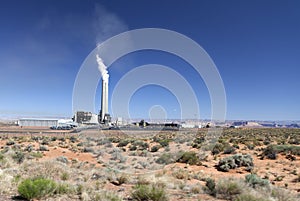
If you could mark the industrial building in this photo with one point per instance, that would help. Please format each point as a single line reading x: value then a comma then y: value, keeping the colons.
x: 45, y: 122
x: 82, y: 117
x: 38, y: 122
x: 104, y: 117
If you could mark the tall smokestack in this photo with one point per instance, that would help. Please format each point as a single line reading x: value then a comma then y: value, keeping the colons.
x: 104, y: 100
x: 104, y: 116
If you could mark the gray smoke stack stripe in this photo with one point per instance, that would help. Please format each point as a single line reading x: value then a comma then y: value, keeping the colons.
x: 104, y: 97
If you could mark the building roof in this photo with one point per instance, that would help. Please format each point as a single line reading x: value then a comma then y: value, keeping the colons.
x: 39, y: 119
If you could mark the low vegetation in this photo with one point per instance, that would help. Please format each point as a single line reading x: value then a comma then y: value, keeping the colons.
x: 263, y: 165
x: 236, y: 161
x: 149, y: 192
x: 36, y: 188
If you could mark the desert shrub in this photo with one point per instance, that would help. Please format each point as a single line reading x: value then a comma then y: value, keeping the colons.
x: 195, y: 190
x: 144, y: 164
x: 250, y: 197
x: 36, y: 188
x: 63, y: 188
x: 236, y: 146
x: 141, y: 145
x: 103, y: 141
x: 10, y: 143
x: 222, y: 147
x: 36, y: 138
x: 142, y: 181
x: 1, y: 156
x: 210, y: 186
x: 267, y: 142
x: 122, y: 179
x: 64, y: 176
x: 73, y: 139
x: 18, y: 157
x: 114, y: 139
x: 235, y: 161
x: 29, y: 148
x: 45, y: 142
x: 270, y: 152
x: 150, y: 192
x: 80, y: 144
x: 132, y: 148
x: 123, y: 143
x: 229, y: 150
x: 281, y: 194
x: 181, y: 174
x: 198, y: 142
x: 253, y: 180
x: 295, y: 141
x: 228, y: 189
x: 297, y: 179
x: 107, y: 196
x: 167, y: 149
x: 190, y: 158
x: 165, y: 158
x: 155, y: 148
x: 62, y: 159
x: 44, y: 148
x: 88, y: 149
x: 250, y: 146
x: 218, y: 148
x: 117, y: 155
x: 36, y: 154
x: 164, y: 142
x: 62, y: 139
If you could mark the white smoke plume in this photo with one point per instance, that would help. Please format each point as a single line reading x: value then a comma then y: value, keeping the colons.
x: 102, y: 68
x: 107, y: 24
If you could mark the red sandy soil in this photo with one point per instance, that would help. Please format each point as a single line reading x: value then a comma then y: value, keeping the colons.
x: 271, y: 169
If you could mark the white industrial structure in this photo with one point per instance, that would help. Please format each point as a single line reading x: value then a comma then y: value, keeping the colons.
x: 82, y: 117
x: 104, y: 115
x: 38, y: 122
x: 44, y: 122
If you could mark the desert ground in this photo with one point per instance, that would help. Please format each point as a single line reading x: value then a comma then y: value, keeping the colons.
x: 240, y: 164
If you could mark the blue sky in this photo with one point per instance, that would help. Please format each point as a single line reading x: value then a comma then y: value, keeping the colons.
x: 254, y: 44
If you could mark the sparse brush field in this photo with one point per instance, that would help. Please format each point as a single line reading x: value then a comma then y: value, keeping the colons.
x: 241, y: 165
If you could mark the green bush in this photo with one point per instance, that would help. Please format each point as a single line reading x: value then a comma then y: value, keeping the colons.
x: 228, y: 189
x: 164, y: 142
x: 235, y: 161
x: 150, y: 192
x: 165, y: 158
x: 36, y: 188
x: 271, y: 151
x: 64, y: 176
x: 18, y: 157
x: 10, y: 143
x: 1, y: 157
x: 253, y: 180
x: 63, y: 188
x: 218, y: 148
x: 249, y: 197
x: 155, y: 148
x: 107, y: 196
x: 123, y: 143
x: 210, y: 186
x: 198, y: 142
x: 140, y: 145
x: 190, y: 158
x: 132, y: 148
